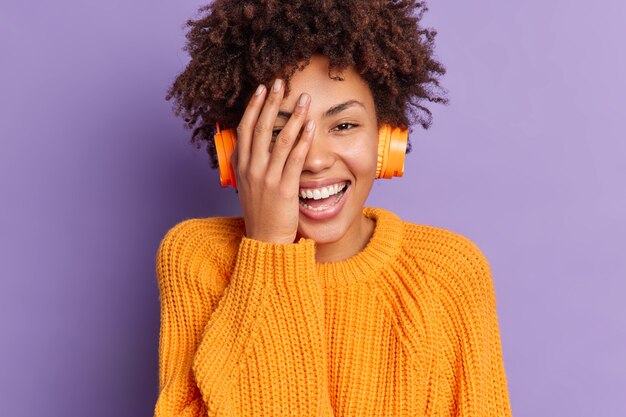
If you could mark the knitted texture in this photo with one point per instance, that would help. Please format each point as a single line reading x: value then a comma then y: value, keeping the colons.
x: 406, y: 327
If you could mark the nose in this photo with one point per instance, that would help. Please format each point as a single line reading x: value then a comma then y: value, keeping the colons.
x: 320, y: 156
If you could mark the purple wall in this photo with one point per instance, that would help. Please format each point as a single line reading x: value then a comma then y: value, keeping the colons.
x: 529, y: 161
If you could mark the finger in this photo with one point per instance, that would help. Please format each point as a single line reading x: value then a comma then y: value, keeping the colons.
x: 234, y: 161
x: 259, y: 150
x: 245, y: 129
x: 295, y: 162
x: 288, y: 135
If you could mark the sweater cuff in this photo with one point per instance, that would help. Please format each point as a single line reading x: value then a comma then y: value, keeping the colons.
x: 266, y: 263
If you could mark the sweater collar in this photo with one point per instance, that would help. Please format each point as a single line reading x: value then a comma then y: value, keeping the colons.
x: 382, y: 247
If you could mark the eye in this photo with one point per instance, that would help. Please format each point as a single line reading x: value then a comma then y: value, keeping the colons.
x: 275, y: 133
x: 345, y: 126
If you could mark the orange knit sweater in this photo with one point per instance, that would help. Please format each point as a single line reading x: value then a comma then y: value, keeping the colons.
x: 406, y: 327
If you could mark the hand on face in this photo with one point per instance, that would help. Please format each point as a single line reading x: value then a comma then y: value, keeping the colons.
x: 268, y: 182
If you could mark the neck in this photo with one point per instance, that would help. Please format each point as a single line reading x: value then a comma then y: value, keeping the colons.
x: 354, y: 241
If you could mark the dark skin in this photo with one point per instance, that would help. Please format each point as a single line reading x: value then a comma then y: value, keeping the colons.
x: 341, y: 148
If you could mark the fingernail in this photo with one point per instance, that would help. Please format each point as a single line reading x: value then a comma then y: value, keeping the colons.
x: 304, y: 98
x: 259, y: 90
x: 310, y: 125
x: 277, y: 84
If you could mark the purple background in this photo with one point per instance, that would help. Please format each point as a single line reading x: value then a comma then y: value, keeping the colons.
x: 528, y: 161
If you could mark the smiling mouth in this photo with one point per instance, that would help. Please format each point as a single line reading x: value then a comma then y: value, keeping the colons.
x: 323, y: 203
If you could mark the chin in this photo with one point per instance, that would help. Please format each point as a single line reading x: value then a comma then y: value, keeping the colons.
x: 322, y: 233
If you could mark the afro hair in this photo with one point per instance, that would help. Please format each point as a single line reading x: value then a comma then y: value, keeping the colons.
x: 236, y: 45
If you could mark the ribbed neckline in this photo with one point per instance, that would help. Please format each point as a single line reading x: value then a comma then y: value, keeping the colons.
x: 384, y: 245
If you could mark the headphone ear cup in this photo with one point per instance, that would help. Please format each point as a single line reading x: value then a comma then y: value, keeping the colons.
x: 392, y: 143
x: 383, y: 140
x: 225, y: 141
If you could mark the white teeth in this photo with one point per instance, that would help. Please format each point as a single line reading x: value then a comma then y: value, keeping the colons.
x: 323, y: 192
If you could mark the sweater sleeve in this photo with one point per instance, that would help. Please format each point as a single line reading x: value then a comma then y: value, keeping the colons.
x: 481, y: 378
x: 263, y: 349
x: 182, y: 319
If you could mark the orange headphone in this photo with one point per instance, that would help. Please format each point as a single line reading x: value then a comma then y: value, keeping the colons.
x: 391, y: 151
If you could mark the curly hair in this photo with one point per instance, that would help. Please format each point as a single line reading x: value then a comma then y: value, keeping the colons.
x: 236, y: 45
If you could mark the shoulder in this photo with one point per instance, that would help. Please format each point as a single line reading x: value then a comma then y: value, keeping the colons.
x: 454, y: 272
x: 429, y: 246
x: 450, y: 260
x: 210, y: 230
x: 443, y: 244
x: 210, y: 239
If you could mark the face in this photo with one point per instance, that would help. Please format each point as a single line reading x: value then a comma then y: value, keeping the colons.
x: 344, y: 149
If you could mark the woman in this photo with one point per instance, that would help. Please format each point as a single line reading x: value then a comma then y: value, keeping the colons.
x: 312, y: 303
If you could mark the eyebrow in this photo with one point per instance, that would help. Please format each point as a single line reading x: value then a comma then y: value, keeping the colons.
x: 338, y: 108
